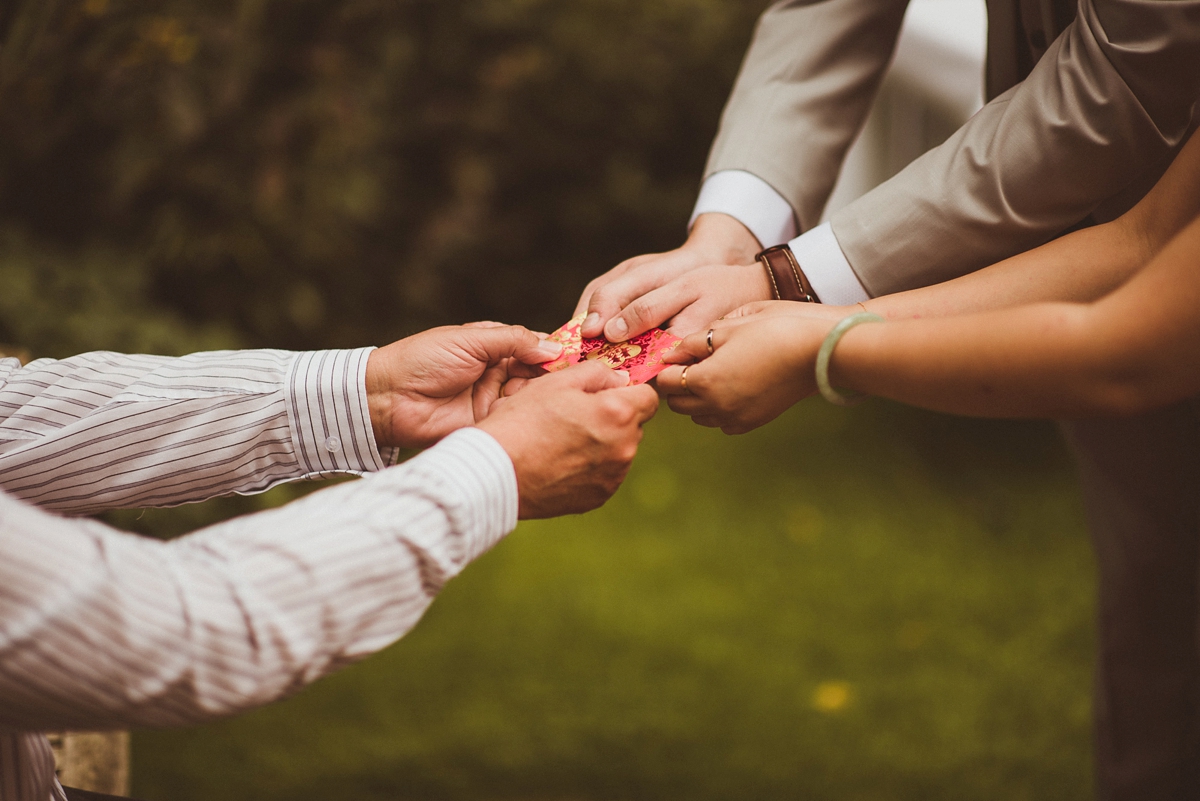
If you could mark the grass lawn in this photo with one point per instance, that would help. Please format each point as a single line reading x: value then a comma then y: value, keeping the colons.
x: 867, y: 604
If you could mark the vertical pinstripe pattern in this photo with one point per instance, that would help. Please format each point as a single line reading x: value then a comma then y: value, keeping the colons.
x: 102, y: 629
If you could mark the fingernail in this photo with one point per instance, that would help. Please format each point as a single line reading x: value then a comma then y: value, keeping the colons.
x: 617, y: 329
x: 591, y: 320
x: 550, y: 348
x: 624, y: 374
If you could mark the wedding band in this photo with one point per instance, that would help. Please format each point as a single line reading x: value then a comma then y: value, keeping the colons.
x: 708, y: 342
x: 683, y: 379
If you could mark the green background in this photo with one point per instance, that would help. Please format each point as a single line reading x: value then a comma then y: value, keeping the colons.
x: 692, y: 639
x: 876, y: 603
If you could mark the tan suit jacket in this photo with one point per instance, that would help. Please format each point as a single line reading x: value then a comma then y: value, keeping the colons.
x: 1093, y: 100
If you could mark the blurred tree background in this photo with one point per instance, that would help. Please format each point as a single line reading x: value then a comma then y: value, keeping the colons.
x: 314, y: 173
x: 862, y: 604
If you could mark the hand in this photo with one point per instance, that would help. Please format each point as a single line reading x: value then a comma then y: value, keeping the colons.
x: 763, y: 309
x: 712, y: 273
x: 424, y: 387
x: 571, y: 436
x: 762, y: 363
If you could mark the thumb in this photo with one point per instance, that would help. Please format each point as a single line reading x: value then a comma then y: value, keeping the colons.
x: 643, y: 399
x: 591, y: 377
x: 502, y: 342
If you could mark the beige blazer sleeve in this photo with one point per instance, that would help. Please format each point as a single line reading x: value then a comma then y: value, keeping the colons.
x: 803, y: 93
x: 1100, y: 116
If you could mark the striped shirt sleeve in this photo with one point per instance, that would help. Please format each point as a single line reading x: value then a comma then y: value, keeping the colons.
x: 105, y: 430
x: 102, y: 629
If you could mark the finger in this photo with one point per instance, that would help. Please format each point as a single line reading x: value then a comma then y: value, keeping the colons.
x: 502, y: 342
x: 652, y: 308
x: 518, y: 370
x: 609, y: 300
x: 677, y: 356
x: 601, y: 280
x: 670, y: 381
x: 695, y: 347
x: 590, y: 377
x: 644, y: 401
x: 690, y: 405
x: 487, y: 391
x: 485, y: 324
x: 751, y: 309
x: 513, y: 386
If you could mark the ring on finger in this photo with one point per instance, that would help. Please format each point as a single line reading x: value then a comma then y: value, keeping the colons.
x: 708, y: 341
x: 683, y: 380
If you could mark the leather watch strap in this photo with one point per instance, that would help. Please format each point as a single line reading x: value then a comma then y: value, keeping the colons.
x: 787, y: 279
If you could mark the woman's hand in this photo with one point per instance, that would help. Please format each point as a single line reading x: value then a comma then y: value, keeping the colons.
x: 762, y: 363
x: 763, y: 309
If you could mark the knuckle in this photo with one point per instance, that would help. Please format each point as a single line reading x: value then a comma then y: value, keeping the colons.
x: 602, y: 297
x: 639, y: 312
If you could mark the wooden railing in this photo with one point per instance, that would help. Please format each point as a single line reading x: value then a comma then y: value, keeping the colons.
x: 96, y: 761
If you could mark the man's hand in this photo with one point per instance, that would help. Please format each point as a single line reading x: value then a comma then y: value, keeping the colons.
x: 762, y: 363
x: 571, y: 436
x: 711, y: 274
x: 424, y: 387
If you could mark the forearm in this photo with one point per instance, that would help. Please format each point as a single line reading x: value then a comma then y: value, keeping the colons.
x: 1080, y: 267
x: 1135, y: 349
x: 1022, y: 362
x: 104, y: 629
x: 106, y: 430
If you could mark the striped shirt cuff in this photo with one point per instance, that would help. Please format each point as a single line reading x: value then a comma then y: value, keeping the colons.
x: 478, y: 475
x: 329, y: 416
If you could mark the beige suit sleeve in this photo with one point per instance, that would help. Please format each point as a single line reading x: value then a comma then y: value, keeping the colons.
x: 1100, y: 116
x: 803, y: 93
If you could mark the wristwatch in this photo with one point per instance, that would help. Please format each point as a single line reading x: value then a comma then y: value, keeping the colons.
x: 787, y: 279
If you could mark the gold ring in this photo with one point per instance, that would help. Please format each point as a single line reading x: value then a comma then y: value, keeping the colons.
x: 708, y: 342
x: 683, y: 379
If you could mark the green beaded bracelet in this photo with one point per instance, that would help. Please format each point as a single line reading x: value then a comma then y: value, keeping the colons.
x: 831, y: 339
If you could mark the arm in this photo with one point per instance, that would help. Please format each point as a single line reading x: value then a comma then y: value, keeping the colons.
x: 1135, y: 350
x: 1080, y: 267
x: 1096, y: 114
x: 1093, y: 119
x: 105, y: 430
x: 801, y: 96
x: 1077, y: 347
x: 101, y: 629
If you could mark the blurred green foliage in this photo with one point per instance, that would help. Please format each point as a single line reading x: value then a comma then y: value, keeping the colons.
x: 315, y: 173
x: 867, y: 604
x: 877, y: 604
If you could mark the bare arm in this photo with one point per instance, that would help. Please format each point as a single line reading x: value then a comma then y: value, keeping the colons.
x: 1136, y: 349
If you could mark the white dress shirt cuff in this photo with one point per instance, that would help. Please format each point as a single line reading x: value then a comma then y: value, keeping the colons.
x: 826, y: 268
x: 329, y: 416
x: 751, y: 201
x: 476, y: 475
